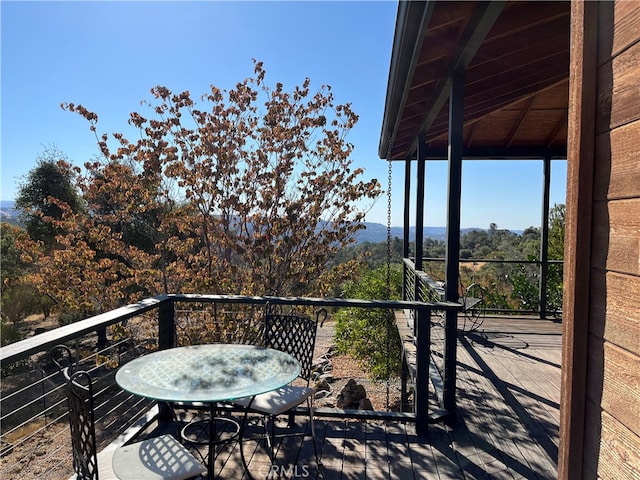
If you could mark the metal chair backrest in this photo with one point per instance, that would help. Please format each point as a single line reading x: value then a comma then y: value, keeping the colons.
x: 295, y: 335
x: 61, y: 356
x: 81, y: 416
x: 82, y: 423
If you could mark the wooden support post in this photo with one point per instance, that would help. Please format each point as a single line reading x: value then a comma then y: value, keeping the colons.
x: 407, y: 222
x: 583, y: 98
x: 420, y: 205
x: 544, y: 239
x: 452, y: 263
x: 407, y: 210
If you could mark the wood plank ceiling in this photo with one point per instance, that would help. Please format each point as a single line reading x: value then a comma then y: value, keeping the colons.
x: 516, y: 56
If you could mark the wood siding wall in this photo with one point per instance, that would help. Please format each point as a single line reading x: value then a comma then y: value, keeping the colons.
x: 610, y: 345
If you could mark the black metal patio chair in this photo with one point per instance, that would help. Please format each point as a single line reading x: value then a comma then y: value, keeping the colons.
x: 473, y: 307
x: 295, y: 335
x: 157, y: 458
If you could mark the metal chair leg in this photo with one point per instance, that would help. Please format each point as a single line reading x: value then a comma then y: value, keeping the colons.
x: 313, y: 432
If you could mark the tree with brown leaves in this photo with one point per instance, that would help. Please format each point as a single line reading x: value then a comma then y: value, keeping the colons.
x: 247, y: 191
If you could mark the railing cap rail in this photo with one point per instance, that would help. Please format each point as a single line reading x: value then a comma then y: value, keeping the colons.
x: 46, y: 340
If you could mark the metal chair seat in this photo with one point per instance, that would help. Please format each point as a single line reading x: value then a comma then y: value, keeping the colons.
x: 277, y: 401
x: 157, y: 458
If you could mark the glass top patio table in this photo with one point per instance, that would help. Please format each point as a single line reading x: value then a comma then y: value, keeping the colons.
x: 208, y: 373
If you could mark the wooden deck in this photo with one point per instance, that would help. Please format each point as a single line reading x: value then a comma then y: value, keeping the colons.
x: 506, y: 425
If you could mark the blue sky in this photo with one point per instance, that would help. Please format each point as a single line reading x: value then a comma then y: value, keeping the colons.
x: 107, y: 55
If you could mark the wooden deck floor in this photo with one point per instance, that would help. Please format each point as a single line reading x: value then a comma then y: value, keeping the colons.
x: 506, y: 426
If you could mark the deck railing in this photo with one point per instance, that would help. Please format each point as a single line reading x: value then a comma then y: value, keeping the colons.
x: 33, y: 403
x: 544, y: 300
x: 441, y: 330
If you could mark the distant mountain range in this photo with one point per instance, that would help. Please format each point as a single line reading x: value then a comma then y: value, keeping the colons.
x: 373, y: 233
x: 377, y: 233
x: 8, y: 211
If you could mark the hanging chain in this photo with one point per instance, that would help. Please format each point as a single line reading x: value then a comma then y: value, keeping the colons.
x: 390, y: 177
x: 389, y: 313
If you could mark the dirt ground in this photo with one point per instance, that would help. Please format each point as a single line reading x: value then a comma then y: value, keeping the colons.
x: 345, y: 368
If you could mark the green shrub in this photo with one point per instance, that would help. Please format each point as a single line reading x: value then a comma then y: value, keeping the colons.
x: 370, y: 335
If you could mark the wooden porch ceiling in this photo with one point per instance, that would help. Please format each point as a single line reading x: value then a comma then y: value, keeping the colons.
x: 516, y: 60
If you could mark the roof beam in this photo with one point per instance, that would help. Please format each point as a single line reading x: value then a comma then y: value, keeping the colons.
x: 516, y: 126
x: 562, y: 122
x: 483, y: 19
x: 499, y: 153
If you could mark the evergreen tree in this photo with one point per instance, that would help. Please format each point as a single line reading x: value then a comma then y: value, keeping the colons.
x: 44, y: 195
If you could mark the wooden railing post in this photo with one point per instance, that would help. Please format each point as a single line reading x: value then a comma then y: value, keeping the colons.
x: 166, y: 325
x: 423, y: 352
x: 404, y: 378
x: 166, y: 340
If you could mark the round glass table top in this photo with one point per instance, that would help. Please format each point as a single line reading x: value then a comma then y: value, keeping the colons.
x: 208, y: 373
